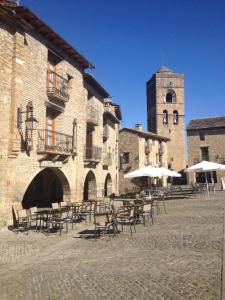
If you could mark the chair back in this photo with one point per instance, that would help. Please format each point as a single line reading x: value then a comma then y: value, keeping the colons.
x: 63, y: 204
x: 126, y: 202
x: 131, y: 212
x: 101, y: 220
x: 33, y: 210
x: 22, y: 213
x: 55, y: 205
x: 147, y: 207
x: 64, y: 214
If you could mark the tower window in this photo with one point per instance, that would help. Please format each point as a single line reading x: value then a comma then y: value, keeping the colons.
x: 170, y: 97
x: 202, y: 135
x: 175, y: 117
x: 165, y: 117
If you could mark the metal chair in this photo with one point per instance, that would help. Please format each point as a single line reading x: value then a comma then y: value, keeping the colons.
x: 23, y: 220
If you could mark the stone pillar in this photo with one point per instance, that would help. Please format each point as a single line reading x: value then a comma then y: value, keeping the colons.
x: 16, y: 94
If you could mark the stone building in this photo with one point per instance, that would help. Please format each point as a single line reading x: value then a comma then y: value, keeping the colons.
x: 139, y: 148
x: 206, y: 141
x: 73, y: 153
x: 165, y: 113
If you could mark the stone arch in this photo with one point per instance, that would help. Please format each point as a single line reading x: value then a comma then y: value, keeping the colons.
x: 108, y: 185
x: 170, y: 96
x: 90, y: 186
x: 47, y: 186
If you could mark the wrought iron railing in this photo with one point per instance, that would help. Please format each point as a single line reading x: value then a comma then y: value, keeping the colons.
x: 54, y: 142
x: 92, y: 115
x: 92, y: 153
x: 57, y: 86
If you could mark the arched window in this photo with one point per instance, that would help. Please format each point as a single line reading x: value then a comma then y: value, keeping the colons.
x: 170, y: 97
x: 175, y: 117
x: 165, y: 117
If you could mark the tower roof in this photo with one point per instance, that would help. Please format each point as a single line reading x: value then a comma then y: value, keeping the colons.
x: 164, y: 70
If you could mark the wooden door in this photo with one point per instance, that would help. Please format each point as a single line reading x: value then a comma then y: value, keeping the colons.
x: 50, y: 130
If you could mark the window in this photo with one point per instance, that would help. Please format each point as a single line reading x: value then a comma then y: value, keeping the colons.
x: 126, y: 157
x: 175, y: 117
x: 205, y: 153
x: 50, y: 128
x: 202, y: 135
x: 165, y: 117
x: 170, y: 97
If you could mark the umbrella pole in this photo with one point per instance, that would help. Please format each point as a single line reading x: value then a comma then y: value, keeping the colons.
x: 207, y: 183
x: 212, y: 180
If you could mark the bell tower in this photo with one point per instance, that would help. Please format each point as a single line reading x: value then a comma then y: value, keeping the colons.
x: 165, y: 112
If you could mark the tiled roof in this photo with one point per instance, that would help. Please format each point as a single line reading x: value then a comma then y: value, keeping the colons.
x: 212, y: 122
x: 145, y: 134
x: 93, y: 82
x: 22, y: 13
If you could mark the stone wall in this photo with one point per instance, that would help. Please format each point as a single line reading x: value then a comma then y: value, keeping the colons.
x: 138, y: 157
x: 214, y: 140
x: 23, y: 71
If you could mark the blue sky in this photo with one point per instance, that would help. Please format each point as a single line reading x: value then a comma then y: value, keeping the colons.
x: 128, y: 40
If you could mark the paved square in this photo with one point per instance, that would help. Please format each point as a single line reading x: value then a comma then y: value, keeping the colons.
x: 179, y: 257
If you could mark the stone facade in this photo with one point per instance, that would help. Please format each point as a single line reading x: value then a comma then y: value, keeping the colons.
x: 165, y: 112
x: 139, y: 148
x: 206, y: 141
x: 67, y: 102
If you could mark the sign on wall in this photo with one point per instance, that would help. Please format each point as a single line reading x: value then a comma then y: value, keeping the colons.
x: 50, y: 164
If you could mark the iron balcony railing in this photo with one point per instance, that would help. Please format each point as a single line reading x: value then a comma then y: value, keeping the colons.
x: 107, y: 159
x: 54, y: 142
x: 92, y: 153
x: 92, y: 115
x: 57, y: 86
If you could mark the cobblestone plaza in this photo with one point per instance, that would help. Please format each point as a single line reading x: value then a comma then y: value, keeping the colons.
x: 179, y: 257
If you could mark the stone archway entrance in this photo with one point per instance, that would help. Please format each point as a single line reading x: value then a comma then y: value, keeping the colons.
x: 90, y: 186
x: 108, y: 185
x: 48, y: 186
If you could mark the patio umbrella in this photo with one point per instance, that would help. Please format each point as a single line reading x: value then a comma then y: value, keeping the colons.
x: 166, y: 172
x: 206, y: 166
x: 144, y: 171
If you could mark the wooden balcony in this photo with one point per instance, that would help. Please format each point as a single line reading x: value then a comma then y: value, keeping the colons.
x: 52, y: 142
x: 92, y: 116
x: 57, y: 87
x: 92, y: 154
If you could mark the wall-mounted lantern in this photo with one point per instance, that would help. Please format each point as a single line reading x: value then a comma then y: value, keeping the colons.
x: 31, y: 124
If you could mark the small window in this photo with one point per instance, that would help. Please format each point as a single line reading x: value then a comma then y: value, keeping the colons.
x: 205, y: 153
x: 126, y: 157
x: 175, y: 117
x: 165, y: 117
x: 202, y: 135
x: 170, y: 97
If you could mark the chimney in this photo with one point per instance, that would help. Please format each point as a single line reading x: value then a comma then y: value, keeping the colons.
x: 138, y: 127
